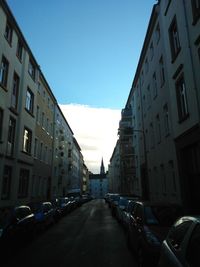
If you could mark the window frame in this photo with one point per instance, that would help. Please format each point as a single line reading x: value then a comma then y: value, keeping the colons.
x: 181, y: 98
x: 174, y: 39
x: 8, y: 33
x: 162, y: 71
x: 27, y: 141
x: 195, y: 11
x: 1, y: 123
x: 15, y: 91
x: 24, y: 176
x: 29, y: 105
x: 4, y: 72
x: 19, y: 51
x: 6, y: 182
x: 11, y: 137
x: 32, y: 69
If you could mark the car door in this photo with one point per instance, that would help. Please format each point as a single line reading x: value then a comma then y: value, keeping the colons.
x: 172, y: 251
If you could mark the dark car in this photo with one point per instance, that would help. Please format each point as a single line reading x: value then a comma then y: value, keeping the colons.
x: 44, y: 214
x: 120, y: 207
x: 57, y: 209
x: 126, y: 213
x: 65, y: 205
x: 148, y: 226
x: 114, y: 200
x: 17, y: 225
x: 181, y: 248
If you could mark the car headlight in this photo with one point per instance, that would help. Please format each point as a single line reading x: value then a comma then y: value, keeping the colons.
x: 151, y: 238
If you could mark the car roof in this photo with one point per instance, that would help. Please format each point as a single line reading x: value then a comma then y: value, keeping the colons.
x: 193, y: 218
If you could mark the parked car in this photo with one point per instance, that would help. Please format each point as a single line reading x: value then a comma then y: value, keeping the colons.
x: 44, y: 214
x: 148, y: 226
x: 120, y: 207
x: 181, y: 248
x: 17, y: 225
x: 65, y: 205
x: 57, y: 209
x: 127, y: 213
x: 114, y: 200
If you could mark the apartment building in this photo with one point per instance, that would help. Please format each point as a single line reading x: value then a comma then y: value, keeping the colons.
x: 62, y: 156
x: 43, y: 142
x: 114, y: 171
x: 164, y: 99
x: 36, y: 141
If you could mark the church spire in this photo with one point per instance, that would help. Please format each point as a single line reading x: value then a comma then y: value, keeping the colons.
x: 102, y: 170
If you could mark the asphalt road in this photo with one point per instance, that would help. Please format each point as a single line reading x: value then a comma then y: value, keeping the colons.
x: 87, y: 237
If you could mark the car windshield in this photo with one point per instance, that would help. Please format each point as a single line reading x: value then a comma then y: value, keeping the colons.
x: 123, y: 201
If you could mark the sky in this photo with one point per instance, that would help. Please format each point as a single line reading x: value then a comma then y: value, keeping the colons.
x: 88, y: 51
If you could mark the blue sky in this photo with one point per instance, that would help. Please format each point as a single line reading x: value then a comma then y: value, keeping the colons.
x: 88, y: 51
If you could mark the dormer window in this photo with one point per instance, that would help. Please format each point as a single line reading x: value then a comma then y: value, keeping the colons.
x: 8, y: 33
x: 31, y: 69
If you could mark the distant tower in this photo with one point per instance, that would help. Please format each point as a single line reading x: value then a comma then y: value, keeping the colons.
x: 102, y: 170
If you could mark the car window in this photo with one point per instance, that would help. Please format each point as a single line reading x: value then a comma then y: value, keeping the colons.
x: 177, y: 234
x: 22, y: 212
x: 150, y: 217
x: 193, y: 248
x: 130, y: 206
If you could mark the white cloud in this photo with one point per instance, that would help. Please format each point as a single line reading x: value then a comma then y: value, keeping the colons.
x: 95, y: 129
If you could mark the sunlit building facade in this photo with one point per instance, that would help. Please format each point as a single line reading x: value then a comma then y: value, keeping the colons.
x: 164, y: 99
x: 36, y: 142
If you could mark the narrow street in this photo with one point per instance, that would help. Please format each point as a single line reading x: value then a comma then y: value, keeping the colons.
x: 89, y: 236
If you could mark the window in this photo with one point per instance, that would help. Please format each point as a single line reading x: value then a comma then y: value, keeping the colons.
x: 144, y: 104
x: 173, y: 177
x: 166, y: 119
x: 157, y: 33
x: 195, y: 10
x: 37, y: 114
x: 42, y: 119
x: 35, y: 154
x: 47, y: 125
x: 162, y: 72
x: 23, y: 183
x: 19, y: 50
x: 152, y: 138
x: 29, y: 100
x: 1, y: 123
x: 27, y: 141
x: 15, y: 91
x: 146, y: 65
x: 8, y: 33
x: 31, y: 69
x: 142, y: 77
x: 174, y: 39
x: 4, y: 72
x: 154, y: 85
x: 11, y: 137
x: 158, y: 128
x: 164, y: 182
x: 148, y: 96
x: 151, y: 51
x: 41, y: 151
x: 6, y: 182
x: 181, y: 99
